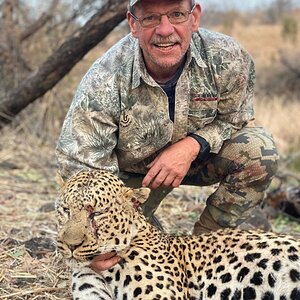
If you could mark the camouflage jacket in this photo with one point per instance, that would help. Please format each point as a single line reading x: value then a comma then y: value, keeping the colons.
x: 119, y: 117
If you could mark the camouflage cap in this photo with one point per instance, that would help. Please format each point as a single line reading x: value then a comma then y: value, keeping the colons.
x: 133, y: 2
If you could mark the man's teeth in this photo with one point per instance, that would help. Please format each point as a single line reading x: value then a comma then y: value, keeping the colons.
x: 165, y: 45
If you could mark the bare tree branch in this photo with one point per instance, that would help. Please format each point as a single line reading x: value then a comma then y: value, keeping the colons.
x: 40, y: 22
x: 62, y: 60
x: 10, y: 52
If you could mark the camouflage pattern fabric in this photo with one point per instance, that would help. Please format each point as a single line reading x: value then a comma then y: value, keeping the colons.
x: 244, y: 168
x: 119, y: 119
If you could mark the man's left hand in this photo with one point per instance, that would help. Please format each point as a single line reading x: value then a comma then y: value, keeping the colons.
x: 104, y: 262
x: 172, y: 164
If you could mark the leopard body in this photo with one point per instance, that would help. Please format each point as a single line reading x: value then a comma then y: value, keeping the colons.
x: 97, y: 214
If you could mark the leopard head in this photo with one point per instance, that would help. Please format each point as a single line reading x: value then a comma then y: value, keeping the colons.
x: 97, y: 214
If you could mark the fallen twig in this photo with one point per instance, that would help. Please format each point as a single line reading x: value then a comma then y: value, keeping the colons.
x: 34, y: 291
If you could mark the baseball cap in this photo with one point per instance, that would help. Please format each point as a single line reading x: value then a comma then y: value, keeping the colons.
x: 133, y: 2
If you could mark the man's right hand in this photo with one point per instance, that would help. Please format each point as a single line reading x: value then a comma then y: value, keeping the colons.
x: 172, y: 164
x: 104, y: 262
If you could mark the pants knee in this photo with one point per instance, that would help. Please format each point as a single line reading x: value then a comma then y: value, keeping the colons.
x: 254, y: 155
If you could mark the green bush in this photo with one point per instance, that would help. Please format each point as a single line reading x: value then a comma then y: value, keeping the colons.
x: 289, y: 29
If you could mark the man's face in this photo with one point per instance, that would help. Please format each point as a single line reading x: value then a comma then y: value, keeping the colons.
x: 164, y: 46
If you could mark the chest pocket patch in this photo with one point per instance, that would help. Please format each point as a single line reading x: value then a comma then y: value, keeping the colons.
x: 143, y: 131
x: 202, y: 111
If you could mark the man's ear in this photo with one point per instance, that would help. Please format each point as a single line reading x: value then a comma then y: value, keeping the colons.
x: 196, y: 17
x: 137, y: 196
x: 132, y: 24
x: 59, y: 180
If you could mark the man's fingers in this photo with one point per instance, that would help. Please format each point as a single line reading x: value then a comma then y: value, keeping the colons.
x: 147, y: 179
x: 176, y: 182
x: 159, y: 179
x: 169, y: 180
x: 150, y: 165
x: 152, y: 173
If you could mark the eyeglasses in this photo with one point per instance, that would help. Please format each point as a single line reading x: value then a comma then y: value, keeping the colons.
x: 175, y: 17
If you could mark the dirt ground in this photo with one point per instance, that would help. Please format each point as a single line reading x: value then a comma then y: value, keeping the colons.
x: 30, y: 267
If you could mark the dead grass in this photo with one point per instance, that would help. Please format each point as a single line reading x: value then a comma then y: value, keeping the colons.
x: 275, y: 112
x: 279, y: 116
x: 264, y: 42
x: 30, y: 268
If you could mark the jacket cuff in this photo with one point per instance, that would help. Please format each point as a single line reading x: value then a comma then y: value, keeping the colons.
x: 204, y: 146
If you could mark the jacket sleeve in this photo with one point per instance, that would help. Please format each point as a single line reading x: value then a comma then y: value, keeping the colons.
x: 89, y: 133
x: 235, y: 77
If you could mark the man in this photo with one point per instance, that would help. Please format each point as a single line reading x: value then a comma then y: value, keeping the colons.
x: 167, y: 105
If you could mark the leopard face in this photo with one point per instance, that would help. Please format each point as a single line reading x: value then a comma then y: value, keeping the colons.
x: 87, y: 204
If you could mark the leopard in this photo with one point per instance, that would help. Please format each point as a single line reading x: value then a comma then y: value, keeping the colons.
x: 97, y: 214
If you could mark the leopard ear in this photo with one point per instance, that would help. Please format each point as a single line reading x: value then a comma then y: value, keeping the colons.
x: 59, y: 180
x: 137, y: 196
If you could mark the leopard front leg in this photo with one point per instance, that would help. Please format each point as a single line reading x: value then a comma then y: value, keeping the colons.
x: 89, y: 285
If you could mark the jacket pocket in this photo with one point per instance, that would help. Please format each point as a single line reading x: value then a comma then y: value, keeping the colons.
x: 201, y: 112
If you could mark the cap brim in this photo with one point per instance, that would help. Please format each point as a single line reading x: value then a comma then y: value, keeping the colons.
x: 133, y: 2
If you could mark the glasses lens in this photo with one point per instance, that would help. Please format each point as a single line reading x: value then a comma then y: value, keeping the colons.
x: 151, y: 20
x: 176, y: 17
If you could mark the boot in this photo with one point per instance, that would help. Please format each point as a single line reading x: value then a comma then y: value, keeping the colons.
x: 154, y: 221
x: 206, y: 223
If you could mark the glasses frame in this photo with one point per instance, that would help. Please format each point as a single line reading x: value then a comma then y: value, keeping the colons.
x: 140, y: 20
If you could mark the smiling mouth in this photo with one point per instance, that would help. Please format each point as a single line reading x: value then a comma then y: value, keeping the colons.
x: 166, y: 46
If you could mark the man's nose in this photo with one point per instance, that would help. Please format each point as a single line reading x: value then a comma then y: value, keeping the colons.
x: 165, y: 28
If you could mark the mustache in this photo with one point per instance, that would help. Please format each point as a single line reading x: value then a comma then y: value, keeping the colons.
x: 165, y: 40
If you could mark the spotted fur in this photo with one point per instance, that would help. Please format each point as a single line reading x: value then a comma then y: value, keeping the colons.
x: 98, y: 214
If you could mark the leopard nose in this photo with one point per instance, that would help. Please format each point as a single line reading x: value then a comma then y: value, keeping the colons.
x: 74, y: 246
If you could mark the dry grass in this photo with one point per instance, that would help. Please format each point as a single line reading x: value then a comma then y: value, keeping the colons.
x: 264, y: 42
x: 279, y: 116
x: 29, y: 265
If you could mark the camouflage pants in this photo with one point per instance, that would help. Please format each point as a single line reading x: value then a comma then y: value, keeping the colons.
x: 244, y: 168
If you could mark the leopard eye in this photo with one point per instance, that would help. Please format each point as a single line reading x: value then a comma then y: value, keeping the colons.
x: 98, y: 213
x: 66, y: 210
x: 94, y: 214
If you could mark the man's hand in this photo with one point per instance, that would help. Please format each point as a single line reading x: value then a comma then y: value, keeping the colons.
x: 104, y: 262
x: 171, y: 165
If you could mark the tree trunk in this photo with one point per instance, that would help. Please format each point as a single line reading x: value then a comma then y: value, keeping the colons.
x: 62, y: 60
